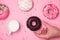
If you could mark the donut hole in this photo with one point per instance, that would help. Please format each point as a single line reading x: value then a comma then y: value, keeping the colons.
x: 50, y: 11
x: 33, y: 23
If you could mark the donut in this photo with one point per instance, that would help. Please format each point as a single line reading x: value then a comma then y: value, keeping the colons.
x: 31, y: 25
x: 25, y: 5
x: 50, y: 11
x: 4, y: 11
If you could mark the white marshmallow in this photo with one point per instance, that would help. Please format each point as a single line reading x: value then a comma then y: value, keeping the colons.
x: 25, y: 5
x: 13, y: 26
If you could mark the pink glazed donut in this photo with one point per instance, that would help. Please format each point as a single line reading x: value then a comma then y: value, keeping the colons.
x: 4, y: 11
x: 50, y: 11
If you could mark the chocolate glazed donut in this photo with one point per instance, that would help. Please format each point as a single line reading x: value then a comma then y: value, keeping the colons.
x: 36, y: 26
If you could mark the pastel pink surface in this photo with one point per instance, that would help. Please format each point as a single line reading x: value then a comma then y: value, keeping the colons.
x: 15, y: 13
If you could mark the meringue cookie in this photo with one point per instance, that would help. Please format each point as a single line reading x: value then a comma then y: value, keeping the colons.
x: 25, y: 5
x: 13, y: 26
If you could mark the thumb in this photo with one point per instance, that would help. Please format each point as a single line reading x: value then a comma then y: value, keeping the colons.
x: 46, y: 24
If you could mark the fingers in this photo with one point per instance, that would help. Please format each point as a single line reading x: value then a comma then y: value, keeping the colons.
x: 45, y: 23
x: 38, y: 32
x: 42, y: 33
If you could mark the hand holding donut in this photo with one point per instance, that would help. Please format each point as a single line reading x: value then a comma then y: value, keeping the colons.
x: 49, y: 32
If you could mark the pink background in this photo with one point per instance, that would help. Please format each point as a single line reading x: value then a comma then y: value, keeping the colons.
x: 15, y: 13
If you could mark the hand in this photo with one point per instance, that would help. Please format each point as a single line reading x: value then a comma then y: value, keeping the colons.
x: 48, y: 32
